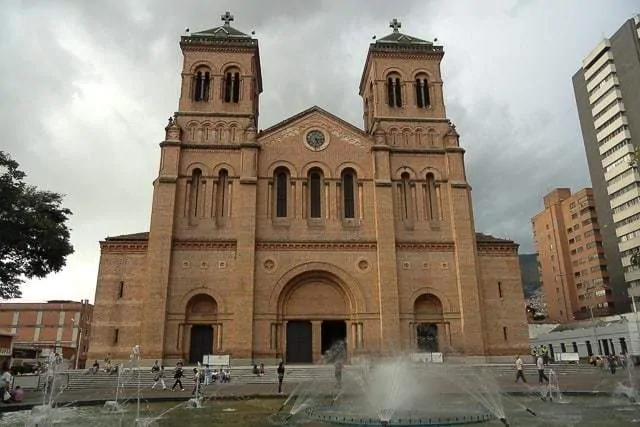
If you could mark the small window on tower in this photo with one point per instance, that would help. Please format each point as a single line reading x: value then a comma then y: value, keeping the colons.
x: 201, y: 85
x: 394, y: 90
x: 422, y: 91
x: 232, y: 86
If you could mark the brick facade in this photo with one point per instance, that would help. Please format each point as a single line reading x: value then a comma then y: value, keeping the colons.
x: 310, y: 220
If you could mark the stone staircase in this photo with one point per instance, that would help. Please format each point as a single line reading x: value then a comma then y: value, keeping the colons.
x: 82, y: 380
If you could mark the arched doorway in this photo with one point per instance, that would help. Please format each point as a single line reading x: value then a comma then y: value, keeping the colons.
x: 315, y: 310
x: 202, y: 311
x: 427, y: 311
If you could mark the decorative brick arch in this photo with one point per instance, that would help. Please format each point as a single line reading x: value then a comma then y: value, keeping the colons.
x: 350, y: 165
x: 231, y: 65
x: 326, y: 170
x: 397, y: 175
x: 230, y: 169
x: 447, y: 307
x: 202, y: 64
x: 188, y: 297
x: 201, y: 307
x: 439, y: 176
x: 322, y: 272
x: 293, y: 172
x: 198, y: 165
x: 424, y: 71
x: 394, y: 70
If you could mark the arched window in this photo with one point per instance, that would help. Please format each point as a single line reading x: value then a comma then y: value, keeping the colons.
x: 394, y: 90
x: 195, y: 193
x: 432, y: 198
x: 405, y: 195
x: 315, y: 193
x: 282, y: 185
x: 201, y: 84
x: 349, y: 193
x: 232, y: 85
x: 422, y: 91
x: 222, y: 202
x: 393, y: 136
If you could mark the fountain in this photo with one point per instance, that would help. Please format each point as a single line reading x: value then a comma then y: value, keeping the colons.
x: 397, y: 392
x: 46, y: 414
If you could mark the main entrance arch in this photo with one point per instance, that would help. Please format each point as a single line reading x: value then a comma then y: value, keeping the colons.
x: 314, y: 308
x: 427, y: 311
x: 201, y: 315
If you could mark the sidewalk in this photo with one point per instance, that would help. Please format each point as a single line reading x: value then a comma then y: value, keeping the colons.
x: 588, y: 381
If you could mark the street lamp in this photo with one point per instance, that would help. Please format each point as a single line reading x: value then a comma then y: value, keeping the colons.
x: 78, y: 342
x: 595, y: 331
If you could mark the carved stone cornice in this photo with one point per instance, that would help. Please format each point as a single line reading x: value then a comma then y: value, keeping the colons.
x: 204, y: 245
x: 206, y: 147
x: 426, y: 246
x: 506, y: 249
x: 316, y: 246
x: 123, y: 246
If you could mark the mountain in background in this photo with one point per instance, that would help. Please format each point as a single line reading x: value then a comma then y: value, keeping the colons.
x: 529, y: 274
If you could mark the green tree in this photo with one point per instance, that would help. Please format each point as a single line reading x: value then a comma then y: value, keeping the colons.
x: 34, y: 238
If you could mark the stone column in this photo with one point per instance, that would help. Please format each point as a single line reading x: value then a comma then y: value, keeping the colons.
x: 387, y: 277
x: 316, y: 337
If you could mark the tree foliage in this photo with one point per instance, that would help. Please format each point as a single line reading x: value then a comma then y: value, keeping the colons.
x: 34, y: 238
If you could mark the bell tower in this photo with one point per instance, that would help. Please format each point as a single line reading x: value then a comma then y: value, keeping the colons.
x: 401, y: 81
x: 206, y: 186
x: 221, y: 85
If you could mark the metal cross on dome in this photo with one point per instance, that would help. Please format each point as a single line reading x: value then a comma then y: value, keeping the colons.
x: 227, y: 18
x: 395, y: 24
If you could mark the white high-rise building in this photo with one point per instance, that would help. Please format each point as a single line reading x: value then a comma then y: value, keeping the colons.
x: 607, y: 89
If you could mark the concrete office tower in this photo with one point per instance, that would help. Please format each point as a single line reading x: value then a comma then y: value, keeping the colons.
x: 607, y: 90
x: 572, y: 264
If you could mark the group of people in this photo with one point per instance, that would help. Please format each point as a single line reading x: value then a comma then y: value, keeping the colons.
x: 542, y: 376
x: 609, y: 362
x: 203, y: 377
x: 7, y: 393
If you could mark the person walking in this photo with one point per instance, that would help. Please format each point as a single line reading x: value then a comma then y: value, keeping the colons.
x: 159, y: 378
x: 520, y: 370
x: 280, y: 371
x: 612, y: 363
x: 197, y: 378
x: 338, y: 373
x: 541, y: 374
x: 178, y: 373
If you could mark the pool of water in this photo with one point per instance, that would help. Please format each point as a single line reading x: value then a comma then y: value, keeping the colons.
x: 580, y: 411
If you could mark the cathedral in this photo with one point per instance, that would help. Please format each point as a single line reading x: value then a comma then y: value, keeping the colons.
x: 278, y: 243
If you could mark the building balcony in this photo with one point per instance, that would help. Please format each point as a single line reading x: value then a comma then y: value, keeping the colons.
x: 605, y: 102
x: 615, y: 140
x: 620, y: 121
x: 629, y: 244
x: 605, y: 85
x: 600, y: 76
x: 629, y: 178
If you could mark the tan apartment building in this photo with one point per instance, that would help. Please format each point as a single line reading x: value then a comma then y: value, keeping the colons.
x: 278, y: 243
x: 572, y: 264
x: 60, y: 326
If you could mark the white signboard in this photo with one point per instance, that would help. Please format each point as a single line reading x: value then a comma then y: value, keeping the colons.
x: 216, y: 360
x: 427, y: 357
x: 567, y: 357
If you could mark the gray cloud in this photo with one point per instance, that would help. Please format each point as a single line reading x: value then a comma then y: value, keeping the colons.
x: 86, y: 88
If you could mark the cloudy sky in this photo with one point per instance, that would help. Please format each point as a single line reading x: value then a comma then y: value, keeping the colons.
x: 86, y: 87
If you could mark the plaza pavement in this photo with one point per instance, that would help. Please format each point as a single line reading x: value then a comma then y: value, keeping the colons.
x: 571, y: 378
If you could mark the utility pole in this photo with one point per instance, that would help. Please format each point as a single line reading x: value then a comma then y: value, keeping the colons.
x: 595, y: 331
